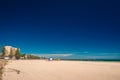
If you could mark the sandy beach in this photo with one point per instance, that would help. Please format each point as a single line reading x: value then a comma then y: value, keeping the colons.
x: 61, y: 70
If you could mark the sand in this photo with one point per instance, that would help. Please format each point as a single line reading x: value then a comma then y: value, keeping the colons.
x: 61, y: 70
x: 2, y: 64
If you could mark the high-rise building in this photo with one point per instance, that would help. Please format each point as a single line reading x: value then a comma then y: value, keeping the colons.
x: 9, y: 51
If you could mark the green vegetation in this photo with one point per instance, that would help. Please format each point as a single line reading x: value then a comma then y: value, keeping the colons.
x: 3, y: 52
x: 17, y: 55
x: 22, y: 55
x: 11, y: 55
x: 32, y: 57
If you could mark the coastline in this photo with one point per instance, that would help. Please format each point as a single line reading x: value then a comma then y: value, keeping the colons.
x: 94, y: 60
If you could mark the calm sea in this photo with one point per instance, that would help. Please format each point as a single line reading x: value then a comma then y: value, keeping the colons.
x: 108, y: 60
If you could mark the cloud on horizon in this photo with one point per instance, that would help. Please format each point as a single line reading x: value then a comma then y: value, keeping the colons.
x: 81, y: 55
x: 54, y: 55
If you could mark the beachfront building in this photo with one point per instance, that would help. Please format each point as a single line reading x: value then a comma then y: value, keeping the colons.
x: 6, y: 51
x: 10, y: 52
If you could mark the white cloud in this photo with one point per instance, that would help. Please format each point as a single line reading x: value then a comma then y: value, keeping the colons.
x: 54, y: 55
x: 63, y: 55
x: 72, y: 52
x: 99, y: 56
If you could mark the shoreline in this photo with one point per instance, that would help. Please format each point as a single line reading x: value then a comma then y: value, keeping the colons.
x: 93, y: 60
x: 96, y: 60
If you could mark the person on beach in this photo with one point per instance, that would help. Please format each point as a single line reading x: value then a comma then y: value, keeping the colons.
x: 50, y: 59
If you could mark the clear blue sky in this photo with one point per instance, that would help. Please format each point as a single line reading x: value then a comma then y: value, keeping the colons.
x: 79, y: 29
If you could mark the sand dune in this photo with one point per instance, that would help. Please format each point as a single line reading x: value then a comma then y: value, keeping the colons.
x: 61, y: 70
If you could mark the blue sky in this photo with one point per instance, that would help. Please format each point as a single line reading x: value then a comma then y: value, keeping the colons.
x: 79, y: 29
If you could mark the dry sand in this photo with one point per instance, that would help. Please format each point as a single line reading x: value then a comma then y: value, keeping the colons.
x: 2, y: 64
x: 61, y: 70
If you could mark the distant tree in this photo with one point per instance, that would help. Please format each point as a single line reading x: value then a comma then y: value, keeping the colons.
x: 17, y: 55
x: 32, y: 56
x: 11, y: 54
x: 3, y: 52
x: 22, y: 55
